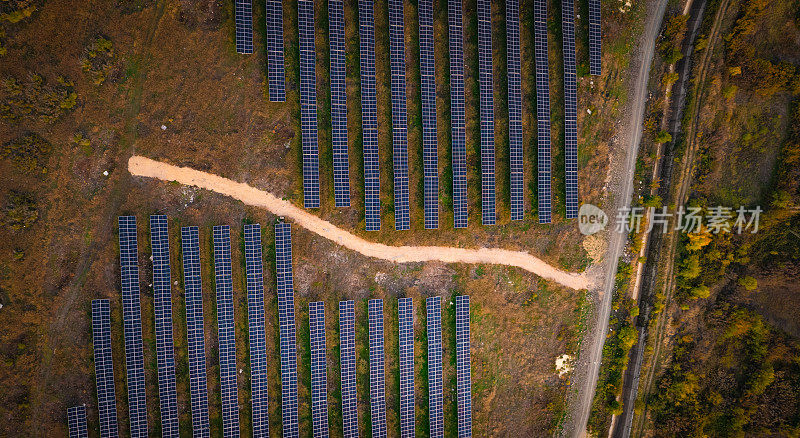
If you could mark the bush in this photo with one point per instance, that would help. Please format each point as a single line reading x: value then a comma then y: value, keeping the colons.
x: 14, y: 11
x: 20, y: 211
x: 663, y: 137
x: 98, y: 59
x: 36, y: 98
x: 700, y: 292
x: 28, y: 152
x: 748, y: 283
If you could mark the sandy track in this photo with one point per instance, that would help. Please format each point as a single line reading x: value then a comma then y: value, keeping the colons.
x: 141, y: 166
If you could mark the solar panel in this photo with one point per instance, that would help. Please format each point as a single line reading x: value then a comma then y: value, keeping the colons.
x: 542, y: 109
x: 369, y: 116
x: 104, y: 368
x: 258, y: 338
x: 308, y: 103
x: 433, y: 307
x: 283, y: 264
x: 595, y: 38
x: 193, y: 294
x: 487, y: 112
x: 405, y: 310
x: 76, y: 422
x: 277, y: 81
x: 377, y: 387
x: 319, y: 375
x: 570, y: 110
x: 225, y: 326
x: 244, y: 27
x: 347, y: 358
x: 341, y: 166
x: 457, y: 130
x: 427, y: 67
x: 162, y: 305
x: 132, y: 317
x: 397, y: 49
x: 463, y: 378
x: 514, y: 109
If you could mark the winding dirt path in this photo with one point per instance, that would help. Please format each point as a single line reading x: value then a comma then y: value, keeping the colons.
x: 141, y: 166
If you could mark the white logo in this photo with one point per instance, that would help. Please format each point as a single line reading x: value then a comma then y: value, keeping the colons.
x: 591, y: 219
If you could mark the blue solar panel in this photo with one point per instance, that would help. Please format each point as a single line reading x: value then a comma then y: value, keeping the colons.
x: 459, y: 149
x: 430, y: 153
x: 319, y: 375
x: 244, y: 26
x: 542, y: 109
x: 570, y: 110
x: 377, y: 387
x: 76, y: 422
x: 405, y: 310
x: 514, y: 110
x: 369, y: 116
x: 104, y: 368
x: 595, y: 38
x: 132, y: 317
x: 463, y: 378
x: 193, y: 294
x: 258, y: 338
x: 308, y: 103
x: 488, y: 216
x: 436, y: 413
x: 397, y: 49
x: 341, y: 166
x: 225, y: 326
x: 277, y: 81
x: 162, y: 305
x: 283, y: 264
x: 347, y: 358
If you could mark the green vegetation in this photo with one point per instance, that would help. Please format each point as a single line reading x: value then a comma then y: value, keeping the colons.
x: 36, y: 98
x: 29, y: 153
x: 98, y: 59
x: 14, y: 11
x: 20, y: 211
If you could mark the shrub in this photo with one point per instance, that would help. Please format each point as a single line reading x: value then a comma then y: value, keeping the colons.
x: 14, y: 11
x: 700, y: 292
x: 748, y: 283
x: 98, y: 59
x: 29, y: 152
x: 36, y: 98
x: 663, y: 137
x: 20, y: 211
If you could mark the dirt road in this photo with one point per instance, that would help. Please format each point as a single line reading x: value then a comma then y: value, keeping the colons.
x: 141, y: 166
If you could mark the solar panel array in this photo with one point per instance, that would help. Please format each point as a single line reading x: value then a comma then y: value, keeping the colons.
x: 514, y: 109
x: 132, y: 317
x: 257, y: 335
x: 463, y: 378
x: 162, y: 305
x: 76, y: 422
x: 244, y: 26
x: 277, y: 82
x: 104, y: 368
x: 542, y: 109
x: 405, y: 310
x: 487, y: 111
x: 319, y: 375
x: 459, y: 149
x: 430, y: 153
x: 377, y: 387
x: 308, y: 103
x: 347, y: 353
x: 595, y: 38
x: 283, y: 263
x: 193, y: 294
x: 436, y: 413
x: 570, y: 109
x: 369, y: 116
x: 225, y: 326
x: 341, y: 166
x: 399, y: 116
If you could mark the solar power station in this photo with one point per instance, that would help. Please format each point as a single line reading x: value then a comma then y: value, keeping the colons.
x: 277, y: 81
x: 457, y: 126
x: 405, y: 310
x: 76, y: 422
x: 570, y: 109
x: 341, y: 166
x: 430, y: 152
x: 399, y: 117
x: 225, y: 326
x: 542, y: 109
x: 244, y: 27
x: 162, y: 305
x: 487, y: 112
x: 463, y: 378
x: 369, y: 116
x: 377, y: 386
x: 433, y: 307
x: 257, y: 335
x: 193, y: 292
x: 308, y: 103
x: 347, y: 352
x: 514, y: 110
x: 283, y: 263
x: 595, y: 37
x: 132, y: 317
x: 319, y: 375
x: 104, y: 368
